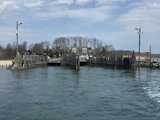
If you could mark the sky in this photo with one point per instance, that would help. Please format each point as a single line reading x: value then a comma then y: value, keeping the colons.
x: 112, y: 21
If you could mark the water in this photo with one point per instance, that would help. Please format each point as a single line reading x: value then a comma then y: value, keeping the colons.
x: 92, y: 93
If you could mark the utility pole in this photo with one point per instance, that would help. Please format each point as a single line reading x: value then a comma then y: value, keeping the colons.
x: 139, y: 42
x: 150, y: 55
x: 17, y: 35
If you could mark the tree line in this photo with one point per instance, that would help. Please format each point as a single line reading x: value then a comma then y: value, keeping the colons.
x: 56, y: 47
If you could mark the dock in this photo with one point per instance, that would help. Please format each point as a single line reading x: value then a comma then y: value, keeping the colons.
x: 54, y: 62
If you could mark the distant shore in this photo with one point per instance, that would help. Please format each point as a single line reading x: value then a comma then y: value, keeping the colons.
x: 9, y: 61
x: 5, y: 62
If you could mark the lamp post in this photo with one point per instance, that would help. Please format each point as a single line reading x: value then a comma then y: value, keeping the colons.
x: 139, y: 42
x: 17, y: 35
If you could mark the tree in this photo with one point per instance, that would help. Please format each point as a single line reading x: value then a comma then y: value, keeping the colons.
x: 9, y: 52
x: 38, y: 48
x: 22, y: 48
x: 2, y: 52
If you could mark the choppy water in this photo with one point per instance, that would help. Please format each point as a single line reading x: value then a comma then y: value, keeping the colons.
x: 92, y: 93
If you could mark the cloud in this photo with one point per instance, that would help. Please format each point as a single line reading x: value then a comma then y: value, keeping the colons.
x: 81, y: 2
x: 102, y: 2
x: 8, y: 35
x: 91, y: 14
x: 135, y: 15
x: 145, y: 17
x: 155, y: 5
x: 7, y: 5
x: 140, y: 14
x: 34, y: 4
x: 59, y: 2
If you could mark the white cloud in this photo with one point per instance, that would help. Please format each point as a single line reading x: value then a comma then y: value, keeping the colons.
x: 155, y: 5
x: 9, y: 5
x: 34, y: 4
x: 135, y: 15
x: 140, y: 14
x: 102, y: 2
x: 59, y: 2
x: 92, y: 14
x: 81, y: 2
x: 145, y: 17
x: 8, y: 35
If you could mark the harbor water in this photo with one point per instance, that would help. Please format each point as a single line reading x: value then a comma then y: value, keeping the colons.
x: 91, y: 93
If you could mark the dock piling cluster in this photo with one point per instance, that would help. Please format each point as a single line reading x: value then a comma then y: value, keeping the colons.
x: 71, y: 59
x: 116, y: 60
x: 29, y: 61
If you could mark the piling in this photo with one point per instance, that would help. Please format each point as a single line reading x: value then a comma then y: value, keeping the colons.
x: 18, y: 62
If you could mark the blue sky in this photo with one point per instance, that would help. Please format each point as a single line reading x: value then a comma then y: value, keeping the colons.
x: 112, y: 21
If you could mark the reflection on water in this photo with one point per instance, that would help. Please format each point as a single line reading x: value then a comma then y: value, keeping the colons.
x: 91, y: 93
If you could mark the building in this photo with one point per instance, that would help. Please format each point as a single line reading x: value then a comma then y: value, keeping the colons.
x: 82, y: 51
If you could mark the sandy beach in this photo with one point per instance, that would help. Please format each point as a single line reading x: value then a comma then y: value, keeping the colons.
x: 5, y: 62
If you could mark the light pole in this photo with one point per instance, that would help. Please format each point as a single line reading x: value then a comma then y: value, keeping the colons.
x: 139, y: 42
x: 17, y: 35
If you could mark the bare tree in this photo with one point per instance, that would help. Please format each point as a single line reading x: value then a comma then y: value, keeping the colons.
x: 97, y: 45
x: 38, y: 48
x: 22, y: 47
x: 9, y: 52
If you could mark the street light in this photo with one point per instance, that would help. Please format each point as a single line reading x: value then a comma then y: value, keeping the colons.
x: 139, y: 42
x: 17, y: 35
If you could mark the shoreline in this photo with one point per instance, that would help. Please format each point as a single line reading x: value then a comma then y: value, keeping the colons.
x: 5, y: 62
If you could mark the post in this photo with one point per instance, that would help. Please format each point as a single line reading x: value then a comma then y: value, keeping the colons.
x: 133, y: 59
x: 147, y: 58
x: 150, y: 55
x: 17, y: 37
x: 139, y: 44
x: 77, y: 61
x: 34, y: 60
